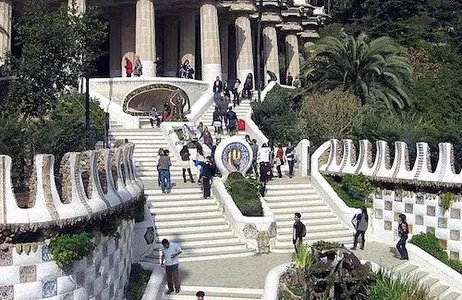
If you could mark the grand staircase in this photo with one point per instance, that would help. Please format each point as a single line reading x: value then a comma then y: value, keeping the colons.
x: 216, y: 293
x: 286, y: 196
x: 182, y: 216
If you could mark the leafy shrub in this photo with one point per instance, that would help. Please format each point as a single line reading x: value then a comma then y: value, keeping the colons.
x: 246, y: 196
x: 357, y: 185
x: 391, y: 286
x: 446, y: 201
x: 430, y: 244
x: 71, y: 247
x: 349, y: 200
x: 323, y: 245
x: 139, y: 208
x: 303, y: 259
x: 257, y: 184
x: 110, y: 225
x: 138, y: 281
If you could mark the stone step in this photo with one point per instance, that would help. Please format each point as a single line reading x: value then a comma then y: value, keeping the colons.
x: 199, y: 244
x: 288, y: 187
x: 199, y: 201
x: 204, y: 252
x: 420, y: 275
x: 310, y: 215
x: 155, y: 258
x: 438, y: 290
x: 197, y: 229
x: 215, y: 293
x: 183, y: 190
x: 178, y: 210
x: 282, y: 212
x: 182, y: 223
x: 311, y: 229
x: 407, y: 269
x: 310, y: 222
x: 298, y: 198
x: 187, y: 216
x: 430, y: 282
x: 289, y: 193
x: 293, y: 204
x: 451, y: 296
x: 203, y: 236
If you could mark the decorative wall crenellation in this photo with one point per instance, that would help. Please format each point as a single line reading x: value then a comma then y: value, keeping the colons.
x: 92, y: 184
x: 343, y: 160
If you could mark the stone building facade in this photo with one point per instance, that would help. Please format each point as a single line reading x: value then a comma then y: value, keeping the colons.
x: 218, y: 37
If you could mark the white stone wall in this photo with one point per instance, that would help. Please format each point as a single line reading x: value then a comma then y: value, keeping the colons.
x: 101, y: 275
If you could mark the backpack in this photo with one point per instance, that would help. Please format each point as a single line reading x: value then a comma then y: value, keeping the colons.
x: 304, y: 230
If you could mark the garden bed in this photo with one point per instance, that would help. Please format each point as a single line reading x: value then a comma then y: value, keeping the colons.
x: 354, y: 190
x: 138, y: 281
x: 246, y: 193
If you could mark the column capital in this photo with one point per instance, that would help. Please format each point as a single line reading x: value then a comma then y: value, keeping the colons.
x: 242, y: 8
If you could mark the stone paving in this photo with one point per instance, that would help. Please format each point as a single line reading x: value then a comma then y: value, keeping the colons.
x: 251, y: 271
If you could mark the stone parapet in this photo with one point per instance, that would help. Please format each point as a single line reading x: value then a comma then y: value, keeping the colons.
x: 95, y: 183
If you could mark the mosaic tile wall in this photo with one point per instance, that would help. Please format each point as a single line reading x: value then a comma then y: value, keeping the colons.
x: 100, y: 276
x: 423, y: 212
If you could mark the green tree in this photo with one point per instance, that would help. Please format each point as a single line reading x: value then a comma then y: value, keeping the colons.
x: 58, y: 48
x: 375, y: 71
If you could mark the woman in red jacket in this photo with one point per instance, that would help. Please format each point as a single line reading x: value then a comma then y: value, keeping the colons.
x: 128, y: 67
x: 279, y: 161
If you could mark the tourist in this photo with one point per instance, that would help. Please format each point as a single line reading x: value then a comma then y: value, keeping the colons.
x: 138, y: 69
x: 226, y: 91
x: 236, y: 91
x: 217, y: 120
x: 223, y: 105
x: 403, y: 231
x: 290, y: 157
x: 280, y: 159
x: 254, y: 147
x: 159, y: 154
x: 208, y: 172
x: 154, y: 117
x: 299, y: 231
x: 200, y: 129
x: 200, y: 295
x: 186, y: 163
x: 188, y: 70
x: 170, y: 252
x: 290, y: 79
x: 217, y: 89
x: 208, y: 139
x: 248, y: 86
x: 271, y: 162
x: 166, y: 112
x: 232, y: 121
x: 163, y: 166
x: 360, y: 223
x: 159, y: 69
x: 128, y: 67
x: 263, y: 158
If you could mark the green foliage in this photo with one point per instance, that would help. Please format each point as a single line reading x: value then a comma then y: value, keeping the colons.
x: 110, y: 225
x: 139, y: 208
x: 303, y: 259
x: 394, y: 286
x: 71, y: 247
x: 256, y: 183
x: 446, y: 201
x: 430, y: 244
x: 138, y: 281
x: 350, y: 200
x: 246, y: 196
x: 58, y: 47
x: 357, y: 184
x: 324, y: 245
x: 276, y: 116
x: 374, y: 70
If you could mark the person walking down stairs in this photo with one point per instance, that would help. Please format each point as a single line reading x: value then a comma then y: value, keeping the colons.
x: 290, y: 156
x: 403, y: 231
x: 299, y: 231
x: 208, y: 171
x: 163, y: 166
x: 232, y: 121
x: 170, y: 252
x: 186, y: 163
x: 280, y: 160
x: 360, y: 223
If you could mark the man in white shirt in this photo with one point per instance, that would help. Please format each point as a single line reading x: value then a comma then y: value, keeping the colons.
x: 263, y: 157
x: 170, y: 252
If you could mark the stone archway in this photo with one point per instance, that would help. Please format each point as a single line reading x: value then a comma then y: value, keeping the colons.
x: 139, y: 101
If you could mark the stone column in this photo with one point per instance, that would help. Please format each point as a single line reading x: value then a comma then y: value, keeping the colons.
x: 292, y: 55
x: 80, y: 5
x: 210, y: 42
x: 6, y: 13
x: 146, y: 36
x: 244, y: 48
x: 170, y: 46
x: 188, y: 36
x: 115, y: 53
x: 128, y: 26
x: 270, y: 51
x: 224, y: 46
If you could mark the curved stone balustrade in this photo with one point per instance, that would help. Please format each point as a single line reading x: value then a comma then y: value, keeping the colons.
x: 343, y: 160
x: 94, y: 183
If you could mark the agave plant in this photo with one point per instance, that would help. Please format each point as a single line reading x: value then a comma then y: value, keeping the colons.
x: 303, y: 260
x: 376, y: 71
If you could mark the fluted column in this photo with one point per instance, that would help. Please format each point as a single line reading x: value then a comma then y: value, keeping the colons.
x: 244, y: 48
x: 6, y: 13
x: 146, y: 36
x: 224, y: 42
x: 128, y: 32
x: 188, y: 36
x: 80, y: 5
x: 270, y: 51
x: 171, y: 46
x: 210, y: 42
x: 292, y: 55
x: 115, y: 43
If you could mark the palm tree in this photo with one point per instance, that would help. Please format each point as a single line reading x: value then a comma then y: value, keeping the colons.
x: 375, y: 71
